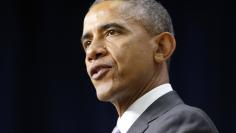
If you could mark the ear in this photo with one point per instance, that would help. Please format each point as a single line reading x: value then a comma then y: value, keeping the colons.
x: 164, y: 46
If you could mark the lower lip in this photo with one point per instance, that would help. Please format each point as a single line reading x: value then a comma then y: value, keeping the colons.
x: 100, y: 74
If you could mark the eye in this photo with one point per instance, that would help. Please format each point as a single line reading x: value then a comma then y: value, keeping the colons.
x: 112, y: 33
x: 86, y: 44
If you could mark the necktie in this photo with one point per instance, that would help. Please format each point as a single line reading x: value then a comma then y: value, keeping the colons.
x: 116, y: 130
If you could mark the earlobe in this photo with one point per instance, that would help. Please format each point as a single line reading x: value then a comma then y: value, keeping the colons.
x: 164, y: 46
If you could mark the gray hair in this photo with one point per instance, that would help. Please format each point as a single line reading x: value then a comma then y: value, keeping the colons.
x: 151, y: 14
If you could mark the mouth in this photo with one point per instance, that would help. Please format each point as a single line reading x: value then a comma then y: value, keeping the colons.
x: 99, y: 71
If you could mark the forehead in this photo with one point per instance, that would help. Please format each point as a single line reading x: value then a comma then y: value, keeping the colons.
x: 107, y: 4
x: 105, y: 12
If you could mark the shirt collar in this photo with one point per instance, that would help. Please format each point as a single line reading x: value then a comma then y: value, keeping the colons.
x: 140, y: 105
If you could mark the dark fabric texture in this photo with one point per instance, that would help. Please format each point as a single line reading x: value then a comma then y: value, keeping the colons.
x: 44, y: 87
x: 170, y: 115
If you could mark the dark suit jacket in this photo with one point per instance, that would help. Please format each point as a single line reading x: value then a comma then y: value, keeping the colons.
x: 169, y: 114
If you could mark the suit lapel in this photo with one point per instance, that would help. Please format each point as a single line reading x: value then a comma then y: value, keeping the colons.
x: 159, y: 107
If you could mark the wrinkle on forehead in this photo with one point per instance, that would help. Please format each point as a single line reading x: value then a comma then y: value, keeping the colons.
x: 107, y: 4
x: 102, y: 10
x: 108, y: 12
x: 104, y: 7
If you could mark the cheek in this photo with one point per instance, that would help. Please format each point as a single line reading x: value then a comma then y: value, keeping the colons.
x: 125, y: 64
x: 121, y: 48
x: 130, y: 53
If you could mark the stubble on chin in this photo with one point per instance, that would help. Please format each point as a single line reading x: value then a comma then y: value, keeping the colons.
x: 104, y: 91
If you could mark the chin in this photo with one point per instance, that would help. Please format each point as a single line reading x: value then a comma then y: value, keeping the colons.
x: 104, y: 97
x: 108, y: 91
x: 105, y: 91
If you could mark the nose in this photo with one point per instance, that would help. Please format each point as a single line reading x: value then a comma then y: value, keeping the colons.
x: 95, y: 52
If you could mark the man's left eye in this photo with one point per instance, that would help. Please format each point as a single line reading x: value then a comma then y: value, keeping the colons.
x: 112, y: 33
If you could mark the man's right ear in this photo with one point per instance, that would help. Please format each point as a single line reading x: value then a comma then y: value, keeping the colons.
x: 164, y: 46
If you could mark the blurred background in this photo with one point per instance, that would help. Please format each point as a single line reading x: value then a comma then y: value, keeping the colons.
x: 44, y: 87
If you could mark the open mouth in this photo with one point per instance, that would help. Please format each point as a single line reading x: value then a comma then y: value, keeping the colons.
x: 97, y: 72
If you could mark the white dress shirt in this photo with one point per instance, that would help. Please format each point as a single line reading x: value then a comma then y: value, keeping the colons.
x: 140, y: 105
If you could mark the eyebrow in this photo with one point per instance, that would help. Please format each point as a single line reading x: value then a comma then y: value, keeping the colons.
x: 112, y: 25
x: 85, y: 36
x: 102, y: 28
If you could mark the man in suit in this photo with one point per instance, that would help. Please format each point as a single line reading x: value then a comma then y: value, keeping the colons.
x: 128, y: 44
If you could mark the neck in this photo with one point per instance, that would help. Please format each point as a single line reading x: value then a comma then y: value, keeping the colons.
x: 158, y: 78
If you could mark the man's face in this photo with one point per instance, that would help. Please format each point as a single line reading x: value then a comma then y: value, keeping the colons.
x: 119, y: 52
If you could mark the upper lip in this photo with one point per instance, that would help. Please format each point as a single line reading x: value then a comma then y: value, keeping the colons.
x: 95, y: 68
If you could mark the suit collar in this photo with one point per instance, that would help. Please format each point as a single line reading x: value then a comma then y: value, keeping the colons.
x: 159, y: 107
x: 140, y: 105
